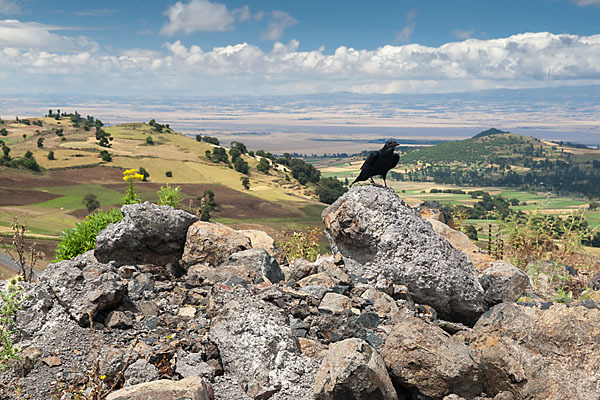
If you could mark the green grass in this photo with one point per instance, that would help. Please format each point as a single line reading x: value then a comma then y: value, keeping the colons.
x: 72, y: 196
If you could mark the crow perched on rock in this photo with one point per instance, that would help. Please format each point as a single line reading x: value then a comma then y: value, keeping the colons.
x: 379, y: 162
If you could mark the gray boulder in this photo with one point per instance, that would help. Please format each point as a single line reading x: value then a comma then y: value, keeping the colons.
x: 212, y: 244
x: 536, y: 353
x: 422, y: 357
x: 83, y: 285
x: 147, y: 234
x: 353, y: 370
x: 258, y: 348
x: 503, y: 282
x: 190, y: 388
x: 376, y: 233
x: 259, y: 260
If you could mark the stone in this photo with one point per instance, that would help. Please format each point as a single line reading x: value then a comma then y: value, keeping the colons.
x: 139, y: 372
x: 259, y: 260
x: 52, y: 361
x: 540, y: 354
x: 384, y: 305
x: 118, y: 320
x: 333, y: 303
x: 212, y: 244
x: 320, y: 279
x: 261, y: 240
x: 257, y: 346
x: 422, y: 357
x: 190, y: 388
x: 187, y: 312
x: 200, y: 274
x: 503, y: 283
x: 82, y: 286
x: 301, y: 268
x: 376, y: 233
x: 353, y: 370
x: 147, y: 234
x: 191, y: 364
x: 138, y: 284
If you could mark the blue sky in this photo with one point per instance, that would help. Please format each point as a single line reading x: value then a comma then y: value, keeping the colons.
x: 217, y: 47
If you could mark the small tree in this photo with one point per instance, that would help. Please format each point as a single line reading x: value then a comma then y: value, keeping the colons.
x: 198, y: 138
x: 91, y: 202
x: 169, y: 174
x: 105, y: 155
x: 245, y: 182
x: 144, y: 173
x: 51, y: 155
x: 24, y: 137
x: 241, y: 165
x: 149, y: 140
x: 40, y: 142
x: 207, y: 204
x: 3, y: 132
x: 263, y: 166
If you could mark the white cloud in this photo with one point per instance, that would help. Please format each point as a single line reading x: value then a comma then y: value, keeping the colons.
x: 404, y: 35
x: 32, y: 35
x: 585, y: 3
x: 280, y: 21
x: 524, y: 60
x: 200, y: 15
x: 463, y: 34
x: 96, y: 13
x: 9, y: 7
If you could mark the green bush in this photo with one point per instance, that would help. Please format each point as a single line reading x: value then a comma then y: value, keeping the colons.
x: 169, y: 196
x: 78, y: 240
x: 10, y: 303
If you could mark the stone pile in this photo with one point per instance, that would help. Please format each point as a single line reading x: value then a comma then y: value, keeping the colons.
x: 183, y: 309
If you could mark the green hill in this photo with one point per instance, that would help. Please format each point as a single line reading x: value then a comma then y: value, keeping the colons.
x: 51, y: 200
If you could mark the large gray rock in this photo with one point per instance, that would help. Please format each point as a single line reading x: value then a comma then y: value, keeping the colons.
x: 503, y: 282
x: 190, y: 388
x: 212, y: 244
x: 533, y: 353
x: 259, y: 260
x: 257, y: 347
x: 421, y: 356
x: 376, y: 233
x: 84, y: 286
x: 147, y: 234
x: 353, y: 370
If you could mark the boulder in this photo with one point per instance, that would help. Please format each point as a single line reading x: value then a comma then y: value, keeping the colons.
x: 258, y: 347
x: 422, y: 357
x: 353, y: 370
x: 376, y: 233
x: 537, y: 353
x: 190, y: 388
x: 147, y: 234
x: 261, y: 240
x: 84, y: 286
x: 212, y: 244
x: 139, y: 372
x: 260, y: 261
x: 503, y: 282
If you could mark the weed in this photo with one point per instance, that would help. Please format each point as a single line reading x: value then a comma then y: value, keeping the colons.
x: 303, y: 243
x: 131, y: 196
x: 169, y: 196
x: 26, y: 264
x: 12, y: 298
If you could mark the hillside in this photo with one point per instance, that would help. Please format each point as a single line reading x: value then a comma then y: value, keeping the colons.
x: 505, y: 159
x: 52, y: 199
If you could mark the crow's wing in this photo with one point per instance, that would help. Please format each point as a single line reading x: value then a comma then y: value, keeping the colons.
x: 370, y: 161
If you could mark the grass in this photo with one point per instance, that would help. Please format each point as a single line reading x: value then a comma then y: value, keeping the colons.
x: 72, y: 196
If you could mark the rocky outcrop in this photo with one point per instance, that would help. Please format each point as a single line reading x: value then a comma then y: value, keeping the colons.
x: 376, y: 233
x: 147, y: 234
x: 353, y: 370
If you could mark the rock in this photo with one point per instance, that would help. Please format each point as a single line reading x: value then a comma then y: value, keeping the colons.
x: 422, y: 357
x: 82, y: 286
x: 503, y: 283
x: 147, y: 234
x: 540, y: 354
x: 190, y: 388
x: 261, y: 240
x: 259, y: 260
x: 334, y: 303
x: 212, y: 244
x: 26, y: 362
x: 187, y: 312
x: 139, y: 372
x: 200, y: 274
x: 52, y: 361
x: 384, y: 305
x: 353, y: 370
x: 312, y: 348
x: 376, y: 233
x: 257, y: 346
x: 118, y: 320
x: 191, y: 364
x: 321, y: 279
x: 300, y: 268
x: 139, y: 283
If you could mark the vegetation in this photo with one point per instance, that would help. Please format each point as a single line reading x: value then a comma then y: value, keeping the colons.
x: 263, y: 166
x: 105, y: 155
x: 131, y: 196
x: 78, y: 240
x: 91, y: 202
x: 169, y: 174
x: 330, y: 189
x: 301, y: 243
x: 207, y: 204
x: 11, y: 299
x: 20, y: 256
x: 169, y: 196
x: 149, y: 140
x: 245, y: 182
x: 51, y: 155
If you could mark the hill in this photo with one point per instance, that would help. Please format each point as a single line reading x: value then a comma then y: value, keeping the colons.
x: 505, y: 159
x: 489, y: 132
x: 69, y: 149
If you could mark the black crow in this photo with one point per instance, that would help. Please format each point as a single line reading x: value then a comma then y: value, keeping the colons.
x: 379, y: 162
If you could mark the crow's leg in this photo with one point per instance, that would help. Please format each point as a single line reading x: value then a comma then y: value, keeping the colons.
x: 372, y: 181
x: 384, y: 182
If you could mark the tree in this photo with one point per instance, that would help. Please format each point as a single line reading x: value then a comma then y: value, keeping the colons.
x: 234, y: 153
x: 40, y: 142
x: 169, y: 174
x: 198, y: 138
x: 263, y: 166
x: 330, y: 189
x: 149, y: 140
x: 144, y: 173
x: 245, y: 182
x: 241, y: 166
x: 241, y: 147
x: 3, y: 132
x: 105, y: 155
x: 51, y: 155
x: 28, y: 154
x: 24, y: 136
x: 91, y: 202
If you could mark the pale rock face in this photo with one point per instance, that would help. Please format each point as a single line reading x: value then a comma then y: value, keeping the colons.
x: 376, y: 233
x: 212, y: 244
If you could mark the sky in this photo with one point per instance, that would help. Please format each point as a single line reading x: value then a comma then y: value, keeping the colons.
x: 268, y: 47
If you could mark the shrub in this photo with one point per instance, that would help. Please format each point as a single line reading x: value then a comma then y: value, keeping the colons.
x: 169, y: 174
x: 303, y: 243
x: 263, y: 166
x: 105, y: 155
x: 245, y: 182
x: 91, y: 202
x: 149, y: 140
x: 11, y: 299
x: 169, y: 196
x: 241, y: 165
x: 78, y: 240
x: 330, y: 189
x: 40, y: 142
x: 51, y: 155
x: 144, y: 173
